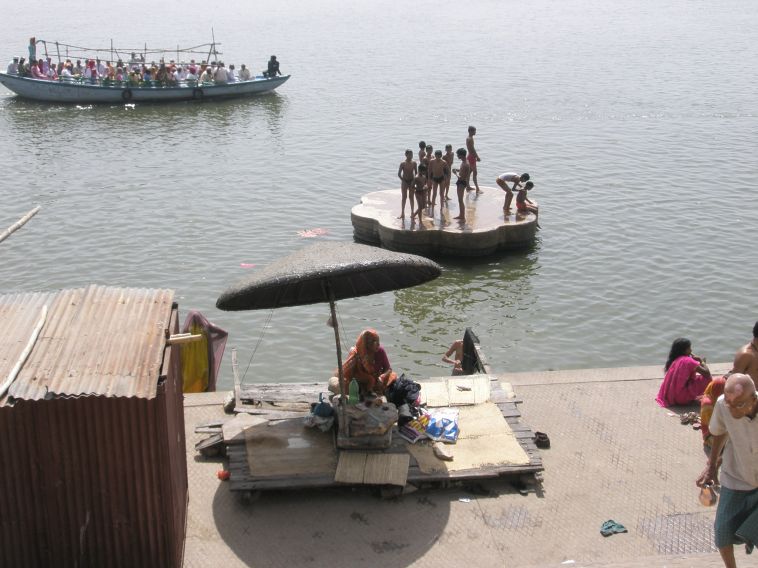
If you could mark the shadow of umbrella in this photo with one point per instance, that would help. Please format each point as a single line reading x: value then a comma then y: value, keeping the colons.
x: 327, y: 272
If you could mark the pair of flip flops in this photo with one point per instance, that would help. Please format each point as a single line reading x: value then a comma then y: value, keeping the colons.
x: 541, y: 440
x: 612, y: 527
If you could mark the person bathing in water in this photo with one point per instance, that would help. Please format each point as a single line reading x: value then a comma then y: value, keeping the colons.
x: 406, y: 172
x: 516, y: 180
x: 463, y: 172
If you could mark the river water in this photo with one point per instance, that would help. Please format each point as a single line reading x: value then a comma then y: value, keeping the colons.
x: 636, y: 119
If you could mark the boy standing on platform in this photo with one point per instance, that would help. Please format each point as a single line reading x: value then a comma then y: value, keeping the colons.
x: 419, y: 187
x: 448, y: 157
x: 406, y: 172
x: 463, y: 173
x: 438, y: 171
x: 473, y: 156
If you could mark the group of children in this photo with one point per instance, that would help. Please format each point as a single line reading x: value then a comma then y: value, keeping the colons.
x: 432, y: 174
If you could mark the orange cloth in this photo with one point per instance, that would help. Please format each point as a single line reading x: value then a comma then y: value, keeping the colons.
x: 367, y: 367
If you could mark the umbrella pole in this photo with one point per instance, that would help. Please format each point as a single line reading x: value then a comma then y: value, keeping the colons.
x: 339, y: 348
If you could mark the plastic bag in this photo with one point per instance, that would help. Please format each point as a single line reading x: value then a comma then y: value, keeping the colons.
x: 442, y: 425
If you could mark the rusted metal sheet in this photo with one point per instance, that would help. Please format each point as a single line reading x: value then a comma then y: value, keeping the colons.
x: 97, y: 480
x: 96, y: 341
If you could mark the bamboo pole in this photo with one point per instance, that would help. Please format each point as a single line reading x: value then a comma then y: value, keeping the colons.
x: 18, y: 224
x: 28, y: 349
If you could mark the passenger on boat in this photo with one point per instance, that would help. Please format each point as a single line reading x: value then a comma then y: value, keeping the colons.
x: 687, y: 375
x: 147, y: 75
x: 51, y: 73
x: 191, y: 76
x: 231, y: 74
x: 46, y: 65
x: 101, y: 68
x: 220, y: 75
x: 134, y: 77
x: 23, y: 68
x: 65, y: 73
x: 368, y: 364
x: 37, y: 72
x: 207, y: 76
x: 273, y: 68
x: 180, y: 74
x: 78, y: 69
x: 244, y: 73
x: 90, y: 72
x: 13, y: 67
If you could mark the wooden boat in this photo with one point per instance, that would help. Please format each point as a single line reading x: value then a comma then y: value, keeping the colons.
x: 82, y: 92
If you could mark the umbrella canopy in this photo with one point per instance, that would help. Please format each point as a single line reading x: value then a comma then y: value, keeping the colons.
x: 326, y: 272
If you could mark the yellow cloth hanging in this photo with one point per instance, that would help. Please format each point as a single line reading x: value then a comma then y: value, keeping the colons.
x: 195, y: 364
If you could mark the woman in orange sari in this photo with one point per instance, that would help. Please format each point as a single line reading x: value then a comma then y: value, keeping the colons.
x: 368, y: 364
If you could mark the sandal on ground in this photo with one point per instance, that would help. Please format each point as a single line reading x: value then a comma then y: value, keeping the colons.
x: 541, y: 440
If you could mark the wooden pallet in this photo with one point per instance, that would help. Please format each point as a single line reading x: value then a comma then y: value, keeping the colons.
x: 271, y: 396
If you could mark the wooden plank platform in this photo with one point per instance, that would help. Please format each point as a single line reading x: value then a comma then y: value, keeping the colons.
x: 268, y: 398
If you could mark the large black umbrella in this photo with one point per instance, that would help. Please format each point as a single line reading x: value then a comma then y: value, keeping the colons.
x: 326, y: 272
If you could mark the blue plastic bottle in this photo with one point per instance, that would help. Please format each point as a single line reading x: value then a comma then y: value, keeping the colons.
x: 353, y: 394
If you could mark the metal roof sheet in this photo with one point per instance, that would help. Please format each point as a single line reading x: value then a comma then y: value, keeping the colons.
x: 97, y: 340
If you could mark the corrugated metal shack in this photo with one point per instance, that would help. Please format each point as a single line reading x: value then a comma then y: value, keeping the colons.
x: 93, y: 468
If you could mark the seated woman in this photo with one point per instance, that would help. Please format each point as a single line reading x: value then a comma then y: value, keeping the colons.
x: 368, y: 364
x: 686, y: 376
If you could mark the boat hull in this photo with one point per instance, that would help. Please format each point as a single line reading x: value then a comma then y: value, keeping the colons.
x: 81, y: 93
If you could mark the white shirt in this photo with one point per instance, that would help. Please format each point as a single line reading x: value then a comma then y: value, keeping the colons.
x: 101, y: 70
x: 510, y: 176
x: 231, y: 76
x: 220, y: 75
x: 12, y: 68
x: 739, y: 470
x: 190, y: 76
x: 244, y: 74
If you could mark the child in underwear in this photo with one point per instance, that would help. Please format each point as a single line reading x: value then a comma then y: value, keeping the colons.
x: 463, y: 173
x: 448, y: 157
x: 516, y: 180
x: 421, y: 151
x: 524, y: 205
x: 437, y: 173
x: 419, y: 188
x: 406, y: 172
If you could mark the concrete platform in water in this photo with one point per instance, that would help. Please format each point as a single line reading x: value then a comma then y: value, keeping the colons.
x: 486, y: 230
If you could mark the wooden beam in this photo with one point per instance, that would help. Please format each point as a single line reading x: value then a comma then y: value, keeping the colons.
x: 18, y: 224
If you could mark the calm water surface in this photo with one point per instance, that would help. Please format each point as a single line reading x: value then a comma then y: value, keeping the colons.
x: 637, y: 120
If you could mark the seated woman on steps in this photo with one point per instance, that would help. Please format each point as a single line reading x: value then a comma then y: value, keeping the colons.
x: 368, y: 364
x: 687, y: 375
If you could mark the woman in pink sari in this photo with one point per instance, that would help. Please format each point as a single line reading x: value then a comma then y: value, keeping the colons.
x: 686, y: 376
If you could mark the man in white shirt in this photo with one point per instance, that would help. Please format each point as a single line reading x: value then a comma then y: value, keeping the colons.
x: 231, y: 74
x: 101, y: 69
x: 220, y: 75
x: 13, y: 67
x: 734, y: 428
x: 244, y: 73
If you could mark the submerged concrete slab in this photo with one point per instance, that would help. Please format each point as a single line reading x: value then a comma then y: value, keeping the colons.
x: 487, y: 229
